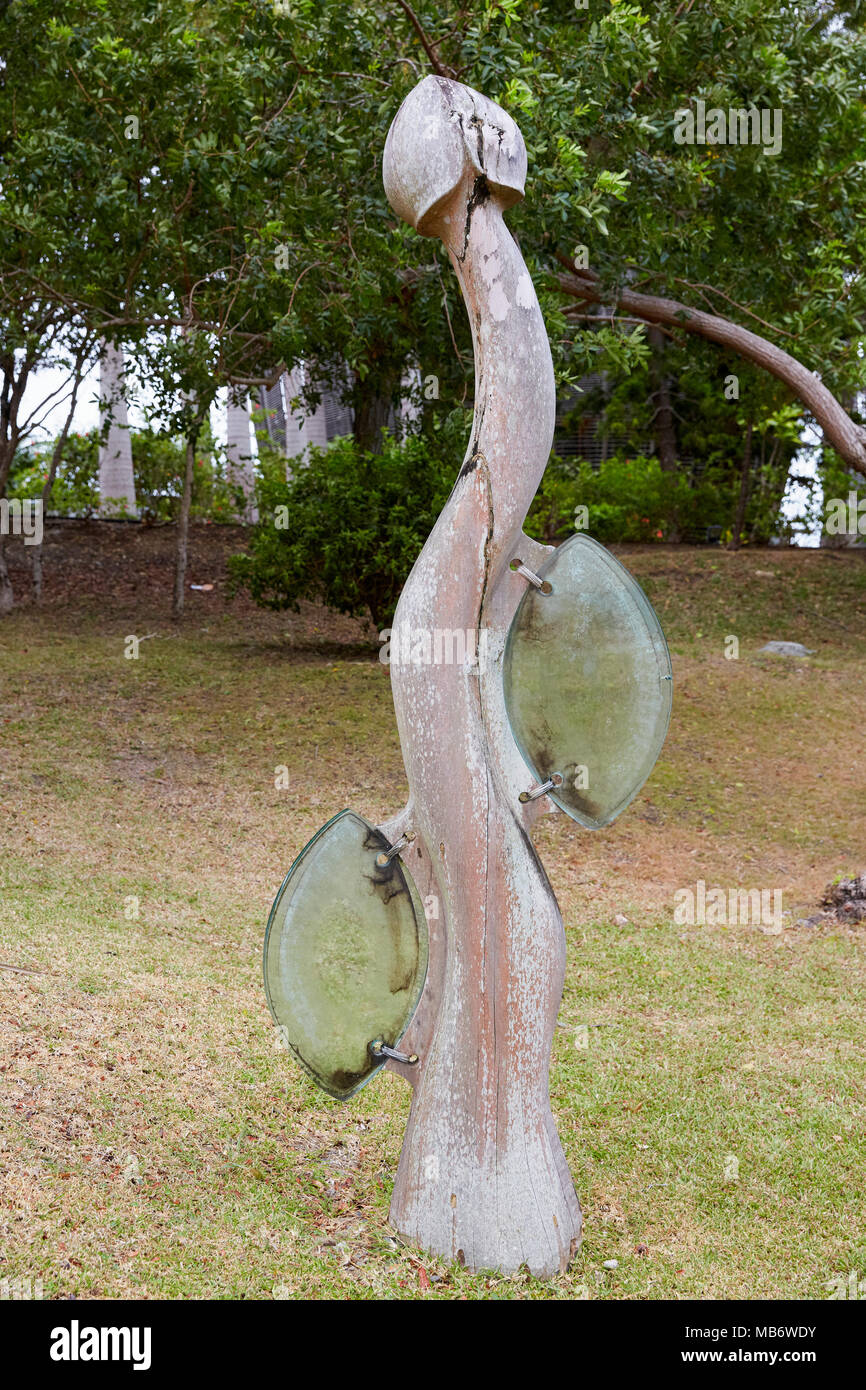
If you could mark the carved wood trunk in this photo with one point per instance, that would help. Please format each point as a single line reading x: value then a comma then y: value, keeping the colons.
x: 482, y: 1176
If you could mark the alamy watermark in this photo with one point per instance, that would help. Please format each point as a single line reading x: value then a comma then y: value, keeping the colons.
x: 842, y: 1286
x: 22, y: 1288
x: 436, y: 646
x: 77, y: 1343
x: 714, y: 907
x: 739, y: 125
x: 22, y: 517
x: 846, y: 518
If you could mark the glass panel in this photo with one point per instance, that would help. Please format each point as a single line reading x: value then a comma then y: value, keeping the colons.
x: 588, y: 684
x: 345, y: 953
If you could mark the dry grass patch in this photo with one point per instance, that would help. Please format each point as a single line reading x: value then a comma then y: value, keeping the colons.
x: 708, y: 1081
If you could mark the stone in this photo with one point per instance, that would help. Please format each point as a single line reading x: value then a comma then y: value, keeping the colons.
x: 787, y: 649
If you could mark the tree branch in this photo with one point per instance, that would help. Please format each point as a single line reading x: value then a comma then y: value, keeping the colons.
x: 425, y: 42
x: 846, y: 437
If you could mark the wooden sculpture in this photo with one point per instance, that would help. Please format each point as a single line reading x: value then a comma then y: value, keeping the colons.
x: 482, y: 1175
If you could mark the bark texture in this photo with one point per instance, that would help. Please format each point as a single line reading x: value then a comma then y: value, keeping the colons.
x: 183, y: 530
x: 7, y: 597
x: 664, y: 427
x: 116, y: 478
x: 482, y: 1176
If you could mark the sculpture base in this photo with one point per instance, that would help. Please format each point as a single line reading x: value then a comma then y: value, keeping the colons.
x: 522, y: 1213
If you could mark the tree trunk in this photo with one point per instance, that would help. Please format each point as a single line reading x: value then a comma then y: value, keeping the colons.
x: 183, y: 528
x: 11, y: 395
x: 745, y: 480
x: 36, y: 572
x: 664, y: 428
x: 116, y: 476
x: 774, y: 483
x: 482, y: 1176
x: 846, y: 436
x: 56, y: 456
x: 7, y: 598
x: 371, y: 415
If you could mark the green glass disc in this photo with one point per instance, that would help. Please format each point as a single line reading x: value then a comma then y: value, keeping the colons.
x: 588, y: 682
x: 345, y: 954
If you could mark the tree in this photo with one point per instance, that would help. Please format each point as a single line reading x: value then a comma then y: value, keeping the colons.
x: 846, y: 435
x: 597, y: 93
x: 36, y: 335
x: 761, y: 254
x: 49, y: 272
x: 78, y: 368
x: 116, y: 478
x: 177, y: 126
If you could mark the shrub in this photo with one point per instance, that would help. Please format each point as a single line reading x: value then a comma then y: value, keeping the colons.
x: 76, y: 486
x: 837, y: 483
x: 346, y: 529
x: 158, y: 464
x: 355, y: 521
x: 630, y: 499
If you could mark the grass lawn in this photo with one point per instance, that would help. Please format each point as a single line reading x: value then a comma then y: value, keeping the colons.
x: 708, y: 1082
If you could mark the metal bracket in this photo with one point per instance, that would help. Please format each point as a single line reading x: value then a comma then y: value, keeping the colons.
x: 542, y: 584
x: 378, y: 1048
x: 385, y: 856
x: 554, y: 780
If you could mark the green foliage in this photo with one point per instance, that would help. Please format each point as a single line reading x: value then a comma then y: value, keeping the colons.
x: 629, y: 499
x: 839, y: 484
x: 710, y: 430
x: 352, y: 524
x: 158, y: 461
x: 76, y: 485
x: 241, y: 219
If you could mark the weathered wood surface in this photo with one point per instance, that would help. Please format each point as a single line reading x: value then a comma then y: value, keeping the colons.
x: 482, y: 1176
